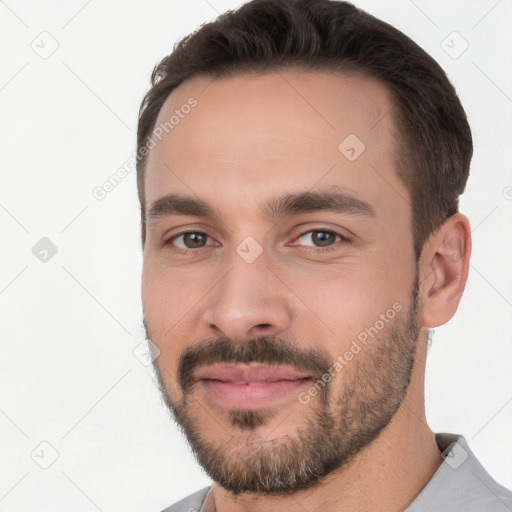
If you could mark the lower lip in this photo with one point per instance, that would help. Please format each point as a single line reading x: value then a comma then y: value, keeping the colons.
x: 252, y: 396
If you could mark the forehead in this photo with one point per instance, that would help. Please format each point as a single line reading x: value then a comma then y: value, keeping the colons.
x: 285, y: 129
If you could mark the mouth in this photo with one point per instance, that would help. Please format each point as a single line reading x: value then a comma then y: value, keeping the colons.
x: 248, y: 387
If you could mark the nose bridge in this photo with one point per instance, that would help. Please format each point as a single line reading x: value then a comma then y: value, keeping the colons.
x: 248, y: 300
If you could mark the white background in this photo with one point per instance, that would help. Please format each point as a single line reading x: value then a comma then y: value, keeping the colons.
x: 68, y: 374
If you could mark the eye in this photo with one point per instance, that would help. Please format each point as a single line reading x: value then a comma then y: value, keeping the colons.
x: 189, y: 240
x: 321, y: 240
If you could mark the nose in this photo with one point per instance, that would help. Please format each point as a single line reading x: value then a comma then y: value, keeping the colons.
x: 249, y: 301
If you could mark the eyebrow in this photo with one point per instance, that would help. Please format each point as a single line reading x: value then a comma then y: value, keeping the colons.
x: 288, y: 204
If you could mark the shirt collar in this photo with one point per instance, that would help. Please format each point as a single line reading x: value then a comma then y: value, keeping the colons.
x: 459, y: 481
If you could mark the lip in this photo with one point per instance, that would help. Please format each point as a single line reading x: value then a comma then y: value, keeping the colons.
x: 244, y: 372
x: 248, y: 387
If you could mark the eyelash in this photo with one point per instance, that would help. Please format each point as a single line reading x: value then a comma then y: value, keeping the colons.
x: 323, y: 250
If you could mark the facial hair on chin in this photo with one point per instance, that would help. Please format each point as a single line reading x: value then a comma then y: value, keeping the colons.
x: 334, y: 428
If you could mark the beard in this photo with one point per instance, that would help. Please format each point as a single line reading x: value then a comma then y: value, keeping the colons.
x: 332, y: 430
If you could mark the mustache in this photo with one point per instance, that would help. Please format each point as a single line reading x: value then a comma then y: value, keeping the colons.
x: 269, y: 350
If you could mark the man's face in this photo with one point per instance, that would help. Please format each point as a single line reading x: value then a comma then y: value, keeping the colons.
x: 297, y: 291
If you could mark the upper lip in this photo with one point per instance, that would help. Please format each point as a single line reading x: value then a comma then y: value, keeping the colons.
x: 237, y: 373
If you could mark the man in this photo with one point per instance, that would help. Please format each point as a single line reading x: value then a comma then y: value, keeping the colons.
x: 300, y: 239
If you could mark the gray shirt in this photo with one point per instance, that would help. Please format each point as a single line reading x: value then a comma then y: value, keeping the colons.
x: 460, y: 484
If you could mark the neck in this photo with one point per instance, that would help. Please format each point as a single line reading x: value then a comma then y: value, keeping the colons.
x: 386, y: 475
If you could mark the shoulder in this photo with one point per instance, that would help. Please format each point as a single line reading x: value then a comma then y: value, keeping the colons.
x: 191, y: 503
x: 461, y: 483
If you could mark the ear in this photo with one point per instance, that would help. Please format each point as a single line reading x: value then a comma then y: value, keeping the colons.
x: 444, y: 267
x: 142, y: 234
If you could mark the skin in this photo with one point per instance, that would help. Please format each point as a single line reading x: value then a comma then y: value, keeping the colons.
x: 252, y: 137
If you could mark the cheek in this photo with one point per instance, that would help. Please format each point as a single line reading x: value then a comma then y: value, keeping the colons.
x: 170, y: 291
x: 167, y: 296
x: 341, y: 301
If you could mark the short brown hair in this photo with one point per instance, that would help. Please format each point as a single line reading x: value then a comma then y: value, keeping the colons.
x: 434, y: 144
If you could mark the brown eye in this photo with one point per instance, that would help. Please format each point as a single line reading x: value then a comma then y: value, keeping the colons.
x: 189, y: 240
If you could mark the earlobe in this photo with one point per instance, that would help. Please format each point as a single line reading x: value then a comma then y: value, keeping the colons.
x: 446, y: 260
